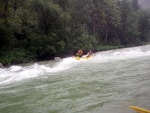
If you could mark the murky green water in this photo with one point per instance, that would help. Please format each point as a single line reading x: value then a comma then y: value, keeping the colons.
x: 108, y: 83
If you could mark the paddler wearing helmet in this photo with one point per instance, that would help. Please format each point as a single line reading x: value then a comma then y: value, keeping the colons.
x: 79, y: 53
x: 89, y: 53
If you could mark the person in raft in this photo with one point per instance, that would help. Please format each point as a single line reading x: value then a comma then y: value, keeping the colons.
x: 79, y: 53
x: 89, y: 53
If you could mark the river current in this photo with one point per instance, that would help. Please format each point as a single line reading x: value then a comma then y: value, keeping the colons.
x: 108, y: 83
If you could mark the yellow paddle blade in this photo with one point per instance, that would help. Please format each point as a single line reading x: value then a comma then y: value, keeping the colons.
x: 139, y: 110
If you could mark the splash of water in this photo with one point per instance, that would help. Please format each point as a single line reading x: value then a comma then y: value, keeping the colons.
x: 120, y: 54
x: 18, y: 73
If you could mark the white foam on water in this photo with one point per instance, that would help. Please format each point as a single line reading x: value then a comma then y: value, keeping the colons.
x: 119, y: 54
x: 18, y: 73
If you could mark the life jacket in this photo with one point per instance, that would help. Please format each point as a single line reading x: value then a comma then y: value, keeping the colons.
x: 79, y: 52
x: 89, y: 53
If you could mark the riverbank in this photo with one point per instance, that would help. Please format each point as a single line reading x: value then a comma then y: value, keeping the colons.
x: 19, y: 56
x: 14, y: 58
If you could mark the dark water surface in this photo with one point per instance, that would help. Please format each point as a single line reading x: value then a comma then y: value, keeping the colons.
x: 108, y: 83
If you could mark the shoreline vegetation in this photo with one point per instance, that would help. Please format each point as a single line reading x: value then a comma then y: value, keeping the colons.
x: 13, y: 59
x: 57, y: 58
x: 39, y: 30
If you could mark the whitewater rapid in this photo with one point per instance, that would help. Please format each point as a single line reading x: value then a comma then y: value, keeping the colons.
x: 17, y: 73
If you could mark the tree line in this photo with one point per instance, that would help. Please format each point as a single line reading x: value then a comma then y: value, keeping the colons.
x: 41, y: 29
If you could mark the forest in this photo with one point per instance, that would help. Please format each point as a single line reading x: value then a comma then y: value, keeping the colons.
x: 35, y: 30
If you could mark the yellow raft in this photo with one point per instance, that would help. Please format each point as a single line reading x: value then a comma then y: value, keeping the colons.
x: 83, y: 58
x: 139, y: 110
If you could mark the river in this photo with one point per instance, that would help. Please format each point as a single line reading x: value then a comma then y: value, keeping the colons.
x: 108, y: 83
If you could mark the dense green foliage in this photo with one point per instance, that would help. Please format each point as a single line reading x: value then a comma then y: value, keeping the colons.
x: 42, y: 29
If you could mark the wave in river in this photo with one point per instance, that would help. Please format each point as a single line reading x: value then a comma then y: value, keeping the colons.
x: 119, y: 54
x: 19, y: 73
